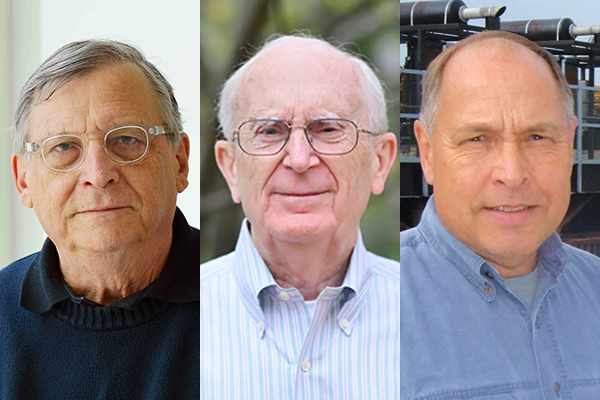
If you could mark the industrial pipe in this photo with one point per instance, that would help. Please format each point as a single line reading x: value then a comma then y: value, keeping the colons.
x: 443, y: 12
x: 541, y: 29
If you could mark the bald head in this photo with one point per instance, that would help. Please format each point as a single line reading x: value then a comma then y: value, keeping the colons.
x: 299, y: 73
x: 291, y: 63
x: 479, y: 48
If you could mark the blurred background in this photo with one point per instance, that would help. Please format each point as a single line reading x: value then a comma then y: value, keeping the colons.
x: 30, y: 30
x: 231, y: 30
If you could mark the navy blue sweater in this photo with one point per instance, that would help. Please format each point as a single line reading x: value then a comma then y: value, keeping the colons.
x: 81, y: 351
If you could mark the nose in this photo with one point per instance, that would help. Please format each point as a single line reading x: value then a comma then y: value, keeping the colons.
x: 299, y: 154
x: 97, y: 170
x: 512, y: 167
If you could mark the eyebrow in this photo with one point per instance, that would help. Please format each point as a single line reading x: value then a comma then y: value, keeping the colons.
x: 479, y: 127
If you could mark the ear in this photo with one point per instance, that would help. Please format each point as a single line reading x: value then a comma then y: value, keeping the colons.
x: 425, y: 153
x: 574, y: 123
x: 182, y: 156
x: 385, y: 151
x: 19, y: 173
x: 226, y: 160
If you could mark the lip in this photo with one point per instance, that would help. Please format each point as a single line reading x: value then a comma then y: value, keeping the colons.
x: 309, y: 194
x: 100, y: 210
x: 511, y: 214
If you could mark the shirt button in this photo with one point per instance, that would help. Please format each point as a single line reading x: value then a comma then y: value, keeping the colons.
x: 489, y: 275
x: 487, y: 289
x: 284, y: 296
x: 261, y: 325
x: 345, y: 323
x: 556, y: 387
x: 305, y: 366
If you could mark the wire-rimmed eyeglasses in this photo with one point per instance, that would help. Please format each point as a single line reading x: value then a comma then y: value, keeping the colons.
x: 123, y: 145
x: 327, y: 136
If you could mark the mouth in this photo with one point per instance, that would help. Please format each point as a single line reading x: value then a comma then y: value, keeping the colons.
x: 510, y: 209
x: 301, y: 194
x: 100, y: 210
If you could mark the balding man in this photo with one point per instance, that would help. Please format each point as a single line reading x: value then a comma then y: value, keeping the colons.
x: 300, y: 309
x: 494, y: 305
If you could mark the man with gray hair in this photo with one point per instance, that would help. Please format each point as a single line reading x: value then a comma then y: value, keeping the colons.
x: 300, y: 309
x: 109, y: 307
x: 494, y: 304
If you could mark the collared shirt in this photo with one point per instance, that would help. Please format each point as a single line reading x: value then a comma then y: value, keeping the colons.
x: 44, y: 286
x: 465, y: 335
x: 257, y: 340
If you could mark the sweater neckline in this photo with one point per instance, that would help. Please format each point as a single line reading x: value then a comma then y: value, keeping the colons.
x: 84, y: 316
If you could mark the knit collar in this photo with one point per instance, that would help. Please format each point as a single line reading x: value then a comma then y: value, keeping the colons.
x: 43, y: 286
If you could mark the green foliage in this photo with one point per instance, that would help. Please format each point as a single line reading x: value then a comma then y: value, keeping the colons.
x: 230, y: 31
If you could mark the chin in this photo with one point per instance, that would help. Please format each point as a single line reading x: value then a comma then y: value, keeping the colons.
x: 301, y: 228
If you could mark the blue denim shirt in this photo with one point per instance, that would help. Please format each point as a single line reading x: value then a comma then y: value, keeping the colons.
x: 464, y: 335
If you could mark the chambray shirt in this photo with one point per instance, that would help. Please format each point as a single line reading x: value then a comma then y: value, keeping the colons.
x: 257, y: 340
x: 464, y: 335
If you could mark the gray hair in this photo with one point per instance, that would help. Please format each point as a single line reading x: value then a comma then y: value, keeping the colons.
x: 372, y: 88
x: 77, y: 59
x: 432, y: 82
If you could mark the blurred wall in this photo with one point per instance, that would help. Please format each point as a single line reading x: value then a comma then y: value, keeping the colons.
x: 31, y: 30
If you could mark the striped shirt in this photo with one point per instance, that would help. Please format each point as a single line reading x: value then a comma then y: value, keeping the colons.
x: 257, y: 340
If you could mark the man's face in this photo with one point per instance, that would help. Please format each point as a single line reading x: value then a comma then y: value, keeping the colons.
x: 102, y: 206
x: 299, y: 195
x: 500, y: 154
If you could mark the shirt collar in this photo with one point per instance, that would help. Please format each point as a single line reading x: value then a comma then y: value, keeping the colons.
x: 253, y: 276
x: 44, y: 286
x: 551, y: 254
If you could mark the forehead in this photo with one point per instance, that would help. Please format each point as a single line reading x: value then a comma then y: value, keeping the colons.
x: 494, y: 59
x: 495, y: 78
x: 111, y: 95
x: 299, y: 81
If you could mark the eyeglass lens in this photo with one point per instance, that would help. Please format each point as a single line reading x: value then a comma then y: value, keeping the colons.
x: 327, y: 136
x: 124, y: 145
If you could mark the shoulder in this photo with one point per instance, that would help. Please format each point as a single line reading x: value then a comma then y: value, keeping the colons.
x: 15, y: 272
x: 410, y: 239
x: 216, y: 269
x: 11, y: 279
x: 583, y: 261
x: 384, y: 267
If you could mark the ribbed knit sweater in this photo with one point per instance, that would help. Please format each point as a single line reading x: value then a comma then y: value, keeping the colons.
x: 81, y: 351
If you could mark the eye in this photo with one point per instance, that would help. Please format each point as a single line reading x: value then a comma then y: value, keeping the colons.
x: 63, y: 147
x: 270, y: 131
x: 479, y: 138
x: 127, y: 140
x: 536, y: 137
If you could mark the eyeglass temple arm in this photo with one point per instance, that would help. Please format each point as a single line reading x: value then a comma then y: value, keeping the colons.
x: 31, y: 146
x: 157, y: 130
x: 366, y: 131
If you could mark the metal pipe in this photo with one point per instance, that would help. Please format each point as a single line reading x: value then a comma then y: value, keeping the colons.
x: 575, y: 30
x: 466, y: 13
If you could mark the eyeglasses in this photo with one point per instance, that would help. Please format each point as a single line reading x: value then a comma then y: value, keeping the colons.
x: 327, y: 136
x: 123, y: 145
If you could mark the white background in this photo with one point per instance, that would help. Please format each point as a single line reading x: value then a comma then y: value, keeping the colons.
x: 168, y: 32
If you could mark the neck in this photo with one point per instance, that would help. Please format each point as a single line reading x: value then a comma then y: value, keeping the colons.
x: 106, y: 277
x: 308, y: 267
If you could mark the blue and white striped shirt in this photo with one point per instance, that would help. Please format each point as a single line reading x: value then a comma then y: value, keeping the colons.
x: 257, y: 340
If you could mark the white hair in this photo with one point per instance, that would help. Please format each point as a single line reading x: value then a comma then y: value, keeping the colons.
x: 371, y: 88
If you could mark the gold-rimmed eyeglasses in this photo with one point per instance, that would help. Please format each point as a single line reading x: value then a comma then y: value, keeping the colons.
x: 327, y: 136
x: 123, y: 145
